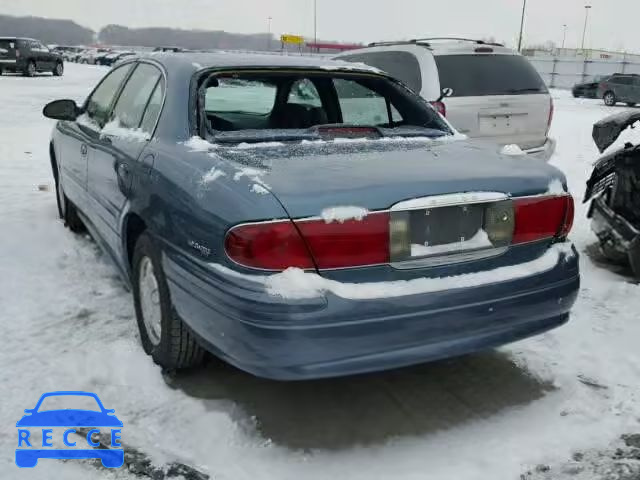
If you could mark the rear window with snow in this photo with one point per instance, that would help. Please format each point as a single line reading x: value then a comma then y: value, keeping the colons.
x: 482, y: 75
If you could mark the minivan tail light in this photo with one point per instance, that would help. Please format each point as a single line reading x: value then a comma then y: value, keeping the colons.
x: 551, y: 112
x: 543, y: 217
x: 440, y: 107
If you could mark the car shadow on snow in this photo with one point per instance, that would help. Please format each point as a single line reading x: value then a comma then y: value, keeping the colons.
x: 340, y: 413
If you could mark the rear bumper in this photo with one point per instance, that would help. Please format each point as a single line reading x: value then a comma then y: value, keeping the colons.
x: 332, y: 336
x: 544, y: 152
x: 621, y: 237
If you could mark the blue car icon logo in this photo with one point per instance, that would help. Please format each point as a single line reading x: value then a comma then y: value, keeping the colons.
x: 29, y: 452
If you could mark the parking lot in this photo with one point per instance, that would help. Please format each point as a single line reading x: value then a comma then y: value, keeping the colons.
x: 498, y: 415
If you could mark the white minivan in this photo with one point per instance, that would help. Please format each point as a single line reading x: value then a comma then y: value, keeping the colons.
x: 496, y: 94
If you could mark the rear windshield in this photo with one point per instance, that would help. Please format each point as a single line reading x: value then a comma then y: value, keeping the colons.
x: 481, y: 75
x: 302, y: 101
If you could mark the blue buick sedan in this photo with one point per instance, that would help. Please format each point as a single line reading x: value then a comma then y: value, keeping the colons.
x: 301, y: 218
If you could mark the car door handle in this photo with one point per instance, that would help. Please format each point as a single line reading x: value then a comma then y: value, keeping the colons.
x: 84, y: 150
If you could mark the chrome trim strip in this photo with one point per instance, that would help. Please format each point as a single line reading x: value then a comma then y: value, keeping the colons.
x: 449, y: 200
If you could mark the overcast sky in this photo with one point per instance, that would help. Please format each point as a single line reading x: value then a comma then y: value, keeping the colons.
x: 612, y: 23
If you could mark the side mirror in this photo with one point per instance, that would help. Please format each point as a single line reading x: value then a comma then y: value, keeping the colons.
x: 61, y: 110
x: 446, y: 92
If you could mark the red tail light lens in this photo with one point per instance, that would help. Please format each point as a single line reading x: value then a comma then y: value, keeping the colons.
x: 350, y: 244
x: 440, y: 107
x: 269, y: 246
x: 538, y: 218
x: 279, y: 245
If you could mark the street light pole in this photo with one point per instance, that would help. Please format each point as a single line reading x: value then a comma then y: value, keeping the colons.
x: 524, y: 9
x: 586, y: 18
x: 269, y: 30
x: 315, y: 21
x: 564, y: 36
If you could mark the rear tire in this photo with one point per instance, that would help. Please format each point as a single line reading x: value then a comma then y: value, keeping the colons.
x: 610, y: 99
x: 631, y: 104
x: 163, y: 334
x: 58, y: 70
x: 30, y: 71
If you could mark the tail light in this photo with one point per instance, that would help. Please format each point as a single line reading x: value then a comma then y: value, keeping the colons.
x: 440, y: 107
x: 551, y: 112
x: 382, y: 236
x: 268, y: 246
x: 538, y: 218
x: 310, y: 243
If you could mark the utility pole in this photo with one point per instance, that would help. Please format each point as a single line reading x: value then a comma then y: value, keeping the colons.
x: 564, y: 36
x: 524, y: 9
x: 269, y: 30
x: 315, y: 21
x: 586, y: 18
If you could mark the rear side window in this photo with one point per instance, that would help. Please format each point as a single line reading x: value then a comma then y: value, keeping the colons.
x: 481, y: 75
x: 402, y: 65
x: 7, y: 46
x: 622, y: 80
x: 136, y: 94
x: 235, y: 95
x: 362, y: 106
x: 99, y: 103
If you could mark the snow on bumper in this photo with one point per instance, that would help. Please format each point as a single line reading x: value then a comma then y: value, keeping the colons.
x: 326, y: 328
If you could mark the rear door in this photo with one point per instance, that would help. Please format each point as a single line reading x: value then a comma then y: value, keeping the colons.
x: 114, y: 155
x: 8, y: 52
x: 500, y: 97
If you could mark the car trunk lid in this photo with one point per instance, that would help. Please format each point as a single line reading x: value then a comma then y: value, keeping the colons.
x: 440, y: 203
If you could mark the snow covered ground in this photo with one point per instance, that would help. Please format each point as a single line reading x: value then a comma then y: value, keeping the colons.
x: 559, y: 400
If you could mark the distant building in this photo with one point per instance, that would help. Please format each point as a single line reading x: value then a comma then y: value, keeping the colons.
x: 588, y: 54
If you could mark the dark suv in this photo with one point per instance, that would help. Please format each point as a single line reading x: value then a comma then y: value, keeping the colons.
x: 28, y: 56
x: 620, y: 88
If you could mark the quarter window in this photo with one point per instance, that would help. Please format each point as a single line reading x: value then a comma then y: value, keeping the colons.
x: 99, y: 103
x: 134, y: 97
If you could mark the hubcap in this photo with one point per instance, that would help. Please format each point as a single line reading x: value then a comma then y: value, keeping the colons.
x: 59, y: 69
x: 609, y: 98
x: 32, y: 68
x: 150, y: 301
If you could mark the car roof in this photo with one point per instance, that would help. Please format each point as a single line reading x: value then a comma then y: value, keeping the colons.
x: 19, y: 38
x: 437, y: 46
x: 229, y: 60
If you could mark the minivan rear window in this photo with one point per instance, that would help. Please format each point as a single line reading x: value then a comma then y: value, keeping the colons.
x: 482, y: 75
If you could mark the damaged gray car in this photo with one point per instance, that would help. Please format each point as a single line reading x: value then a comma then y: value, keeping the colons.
x: 614, y: 192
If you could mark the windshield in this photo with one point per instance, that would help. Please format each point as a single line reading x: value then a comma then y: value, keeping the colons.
x: 274, y: 101
x: 481, y: 75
